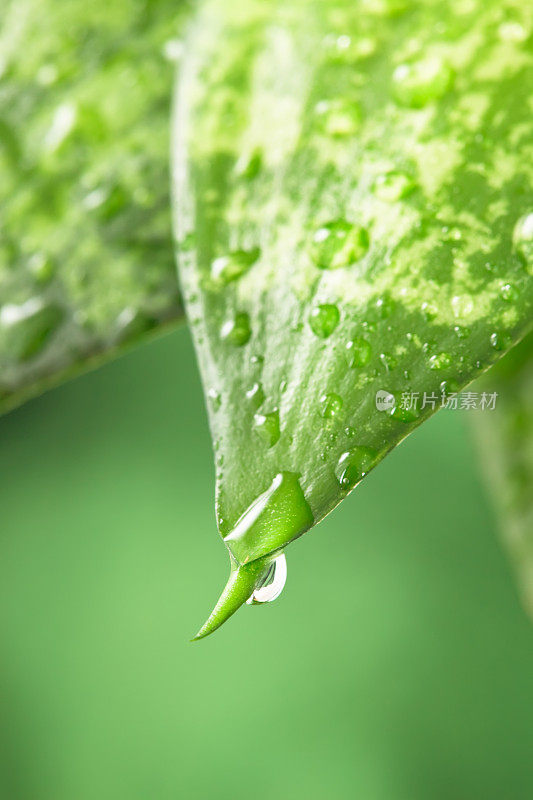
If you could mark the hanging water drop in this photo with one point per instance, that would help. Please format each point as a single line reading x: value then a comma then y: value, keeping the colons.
x: 272, y: 584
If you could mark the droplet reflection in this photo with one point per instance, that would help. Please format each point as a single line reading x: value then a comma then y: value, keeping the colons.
x: 272, y: 584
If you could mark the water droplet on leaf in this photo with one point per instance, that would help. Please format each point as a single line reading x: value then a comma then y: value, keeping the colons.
x: 508, y: 292
x: 231, y: 267
x: 237, y: 331
x: 338, y: 244
x: 354, y: 465
x: 324, y: 319
x: 359, y: 352
x: 500, y: 341
x: 267, y: 426
x: 255, y: 395
x: 419, y: 82
x: 330, y: 405
x: 272, y: 584
x: 440, y: 361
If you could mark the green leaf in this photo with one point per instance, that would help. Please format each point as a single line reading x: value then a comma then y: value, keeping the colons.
x: 505, y: 441
x: 86, y: 255
x: 374, y: 160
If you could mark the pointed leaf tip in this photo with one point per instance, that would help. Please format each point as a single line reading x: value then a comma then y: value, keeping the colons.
x: 241, y: 583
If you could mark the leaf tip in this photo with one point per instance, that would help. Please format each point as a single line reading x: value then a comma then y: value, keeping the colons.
x: 241, y: 583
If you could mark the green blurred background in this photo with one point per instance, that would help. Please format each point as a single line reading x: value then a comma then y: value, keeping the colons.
x: 397, y: 665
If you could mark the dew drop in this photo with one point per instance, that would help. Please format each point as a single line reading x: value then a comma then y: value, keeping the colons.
x: 267, y: 426
x: 330, y: 405
x: 407, y: 411
x: 461, y: 331
x: 393, y: 186
x: 26, y: 328
x: 324, y: 319
x: 523, y: 240
x: 233, y: 266
x: 359, y: 352
x: 339, y: 117
x: 385, y: 306
x: 255, y: 395
x: 388, y: 361
x: 354, y: 465
x: 419, y: 82
x: 440, y: 361
x: 338, y: 244
x: 237, y: 331
x: 448, y: 387
x: 499, y: 341
x: 272, y: 584
x: 508, y: 292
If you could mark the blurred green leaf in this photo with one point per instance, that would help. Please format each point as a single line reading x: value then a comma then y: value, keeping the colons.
x: 353, y: 187
x: 86, y: 255
x: 505, y: 441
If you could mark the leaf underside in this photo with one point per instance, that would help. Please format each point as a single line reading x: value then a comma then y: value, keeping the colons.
x: 86, y: 255
x: 352, y: 188
x: 505, y: 442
